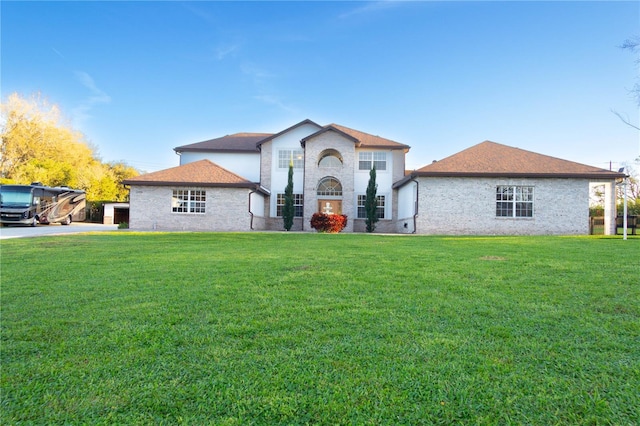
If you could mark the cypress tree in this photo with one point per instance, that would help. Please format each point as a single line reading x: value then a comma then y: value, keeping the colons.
x: 371, y: 202
x: 288, y: 210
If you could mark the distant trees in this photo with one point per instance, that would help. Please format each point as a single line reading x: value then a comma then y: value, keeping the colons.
x: 633, y: 192
x: 38, y: 147
x: 633, y: 195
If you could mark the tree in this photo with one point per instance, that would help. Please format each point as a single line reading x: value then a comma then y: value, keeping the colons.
x: 371, y: 202
x: 37, y: 146
x: 633, y: 192
x: 288, y: 210
x: 632, y: 45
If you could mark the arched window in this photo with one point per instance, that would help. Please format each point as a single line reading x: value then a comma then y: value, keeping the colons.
x: 330, y: 158
x: 329, y: 187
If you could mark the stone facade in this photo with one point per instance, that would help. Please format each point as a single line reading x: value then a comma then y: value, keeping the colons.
x: 467, y: 206
x: 313, y: 174
x: 226, y: 210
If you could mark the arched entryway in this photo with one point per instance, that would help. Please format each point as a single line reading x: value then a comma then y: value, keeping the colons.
x: 329, y: 194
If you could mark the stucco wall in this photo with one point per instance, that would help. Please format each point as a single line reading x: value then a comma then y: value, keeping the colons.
x: 227, y: 209
x: 406, y: 207
x: 279, y: 177
x: 468, y: 206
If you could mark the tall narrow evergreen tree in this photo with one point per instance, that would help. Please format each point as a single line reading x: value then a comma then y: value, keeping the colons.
x: 288, y: 211
x: 371, y: 202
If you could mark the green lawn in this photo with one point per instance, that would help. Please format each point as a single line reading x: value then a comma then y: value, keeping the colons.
x: 275, y: 328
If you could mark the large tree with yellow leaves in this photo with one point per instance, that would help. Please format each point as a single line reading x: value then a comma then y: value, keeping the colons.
x: 37, y: 146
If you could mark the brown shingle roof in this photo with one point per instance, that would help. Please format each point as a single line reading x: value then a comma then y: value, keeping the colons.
x: 361, y: 139
x: 275, y: 135
x: 198, y: 173
x: 494, y: 159
x: 238, y: 142
x: 250, y: 142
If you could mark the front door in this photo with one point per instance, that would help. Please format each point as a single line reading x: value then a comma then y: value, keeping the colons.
x: 330, y: 206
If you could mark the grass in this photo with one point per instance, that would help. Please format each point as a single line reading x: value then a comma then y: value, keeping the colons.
x: 227, y: 329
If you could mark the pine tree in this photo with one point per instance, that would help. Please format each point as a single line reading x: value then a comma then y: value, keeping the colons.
x: 371, y: 202
x: 288, y: 210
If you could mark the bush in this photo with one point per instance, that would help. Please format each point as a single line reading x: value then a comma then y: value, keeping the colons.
x: 331, y: 223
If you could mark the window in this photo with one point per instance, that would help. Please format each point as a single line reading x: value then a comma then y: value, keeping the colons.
x: 188, y: 201
x: 330, y: 187
x: 369, y: 159
x: 330, y: 158
x: 298, y: 205
x: 514, y: 201
x: 362, y: 213
x: 285, y: 156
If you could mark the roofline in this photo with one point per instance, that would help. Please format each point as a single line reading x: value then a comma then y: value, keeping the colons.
x: 403, y: 181
x: 406, y: 148
x: 268, y: 138
x: 586, y: 175
x: 231, y: 150
x: 358, y: 142
x: 250, y: 185
x: 328, y: 128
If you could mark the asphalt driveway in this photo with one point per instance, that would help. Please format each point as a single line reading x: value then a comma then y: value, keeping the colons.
x: 55, y: 229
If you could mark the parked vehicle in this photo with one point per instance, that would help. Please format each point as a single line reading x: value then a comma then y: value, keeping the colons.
x: 36, y: 203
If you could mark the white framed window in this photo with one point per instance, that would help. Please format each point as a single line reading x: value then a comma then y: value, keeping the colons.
x: 330, y: 158
x: 366, y: 160
x: 380, y: 206
x: 514, y: 201
x: 188, y: 201
x: 329, y: 187
x: 286, y: 155
x: 298, y: 205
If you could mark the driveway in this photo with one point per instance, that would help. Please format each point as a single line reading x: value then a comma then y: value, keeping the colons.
x: 55, y: 229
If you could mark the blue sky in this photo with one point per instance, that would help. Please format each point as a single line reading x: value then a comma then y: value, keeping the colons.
x: 140, y: 78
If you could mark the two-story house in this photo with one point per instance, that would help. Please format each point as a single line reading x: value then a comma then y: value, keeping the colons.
x: 331, y: 166
x: 237, y: 183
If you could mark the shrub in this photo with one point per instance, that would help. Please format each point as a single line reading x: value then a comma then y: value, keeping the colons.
x: 331, y: 223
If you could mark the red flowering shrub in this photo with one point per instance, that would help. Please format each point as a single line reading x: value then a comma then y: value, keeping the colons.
x: 332, y: 223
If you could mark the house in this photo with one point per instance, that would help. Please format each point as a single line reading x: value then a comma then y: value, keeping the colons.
x: 236, y: 183
x: 496, y: 189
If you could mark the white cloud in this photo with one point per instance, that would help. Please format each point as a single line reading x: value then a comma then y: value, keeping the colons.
x: 96, y: 97
x: 274, y: 100
x: 226, y: 50
x: 256, y: 72
x: 57, y: 52
x: 370, y: 7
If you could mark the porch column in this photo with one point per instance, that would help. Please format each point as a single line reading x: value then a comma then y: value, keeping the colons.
x: 610, y: 208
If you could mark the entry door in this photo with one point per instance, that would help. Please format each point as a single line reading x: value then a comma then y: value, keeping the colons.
x: 330, y: 206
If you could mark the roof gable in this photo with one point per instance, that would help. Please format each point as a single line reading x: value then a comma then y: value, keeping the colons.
x: 288, y: 129
x: 237, y: 142
x: 361, y: 139
x: 201, y: 173
x: 251, y: 142
x: 494, y: 159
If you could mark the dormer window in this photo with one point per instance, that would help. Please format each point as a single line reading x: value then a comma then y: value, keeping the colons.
x: 330, y: 158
